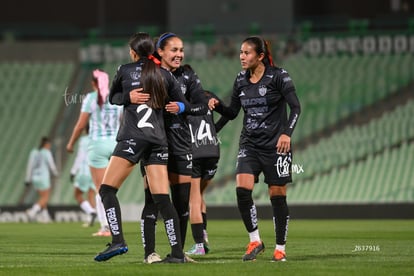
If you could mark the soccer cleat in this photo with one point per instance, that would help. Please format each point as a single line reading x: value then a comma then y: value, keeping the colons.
x: 172, y: 260
x: 196, y: 249
x: 253, y: 249
x: 152, y: 258
x: 111, y: 251
x: 279, y: 256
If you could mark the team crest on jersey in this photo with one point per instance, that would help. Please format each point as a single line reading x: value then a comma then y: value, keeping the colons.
x: 134, y: 75
x: 183, y: 88
x: 262, y: 90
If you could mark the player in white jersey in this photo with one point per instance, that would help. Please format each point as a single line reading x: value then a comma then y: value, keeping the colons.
x: 104, y: 121
x: 80, y: 176
x: 39, y: 169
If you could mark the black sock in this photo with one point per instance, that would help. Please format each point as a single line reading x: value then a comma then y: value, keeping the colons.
x: 112, y: 212
x: 197, y: 229
x: 148, y: 223
x: 171, y: 224
x: 247, y: 208
x: 280, y: 218
x: 204, y: 215
x: 180, y: 194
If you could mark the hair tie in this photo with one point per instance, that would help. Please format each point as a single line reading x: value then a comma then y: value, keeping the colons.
x: 154, y: 59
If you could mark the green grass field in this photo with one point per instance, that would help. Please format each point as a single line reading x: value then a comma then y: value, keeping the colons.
x: 315, y: 247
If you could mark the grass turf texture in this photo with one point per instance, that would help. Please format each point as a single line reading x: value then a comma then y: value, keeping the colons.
x: 315, y: 247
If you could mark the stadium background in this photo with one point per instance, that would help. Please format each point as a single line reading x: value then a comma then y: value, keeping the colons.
x: 352, y: 66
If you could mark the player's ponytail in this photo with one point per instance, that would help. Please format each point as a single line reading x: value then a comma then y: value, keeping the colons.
x: 151, y: 80
x: 101, y: 80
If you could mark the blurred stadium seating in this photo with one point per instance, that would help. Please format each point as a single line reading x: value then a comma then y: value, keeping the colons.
x: 369, y: 162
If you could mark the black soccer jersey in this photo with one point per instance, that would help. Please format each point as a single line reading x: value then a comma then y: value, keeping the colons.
x: 178, y: 132
x: 138, y: 121
x: 204, y: 140
x: 265, y: 107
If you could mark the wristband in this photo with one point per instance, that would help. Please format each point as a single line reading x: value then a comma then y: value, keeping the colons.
x: 181, y: 107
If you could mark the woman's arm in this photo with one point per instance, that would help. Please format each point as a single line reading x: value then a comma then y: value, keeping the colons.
x: 77, y: 130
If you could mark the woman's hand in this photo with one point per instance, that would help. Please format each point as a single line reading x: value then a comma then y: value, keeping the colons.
x: 212, y: 103
x: 283, y: 144
x: 69, y: 148
x: 136, y: 96
x: 172, y: 107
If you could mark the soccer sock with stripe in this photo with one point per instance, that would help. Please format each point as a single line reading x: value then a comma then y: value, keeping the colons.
x: 280, y: 218
x: 247, y: 209
x: 148, y: 222
x: 171, y: 223
x: 180, y: 194
x: 112, y: 211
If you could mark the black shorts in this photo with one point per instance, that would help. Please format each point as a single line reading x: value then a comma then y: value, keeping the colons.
x: 205, y: 168
x: 180, y: 164
x: 136, y: 150
x: 276, y: 168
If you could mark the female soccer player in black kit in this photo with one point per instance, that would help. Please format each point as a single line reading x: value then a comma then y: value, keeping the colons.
x: 206, y: 154
x: 170, y: 51
x: 142, y: 137
x: 263, y: 91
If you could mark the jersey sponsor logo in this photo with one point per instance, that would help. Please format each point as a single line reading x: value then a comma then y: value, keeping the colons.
x: 162, y: 156
x: 254, y: 101
x: 242, y: 94
x: 130, y: 150
x: 269, y: 76
x: 262, y: 90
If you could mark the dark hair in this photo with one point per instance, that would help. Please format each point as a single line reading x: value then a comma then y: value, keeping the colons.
x: 43, y: 142
x: 261, y: 46
x: 152, y: 80
x: 161, y: 41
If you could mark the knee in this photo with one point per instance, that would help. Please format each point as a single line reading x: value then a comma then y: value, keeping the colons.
x: 243, y: 195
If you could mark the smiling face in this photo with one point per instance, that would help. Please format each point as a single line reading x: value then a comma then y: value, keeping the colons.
x: 172, y: 54
x: 249, y: 58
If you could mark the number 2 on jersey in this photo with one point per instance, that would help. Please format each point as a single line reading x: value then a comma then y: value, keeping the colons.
x: 143, y: 121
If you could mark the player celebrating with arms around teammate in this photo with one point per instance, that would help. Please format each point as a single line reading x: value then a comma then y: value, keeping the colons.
x: 142, y: 137
x: 263, y: 91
